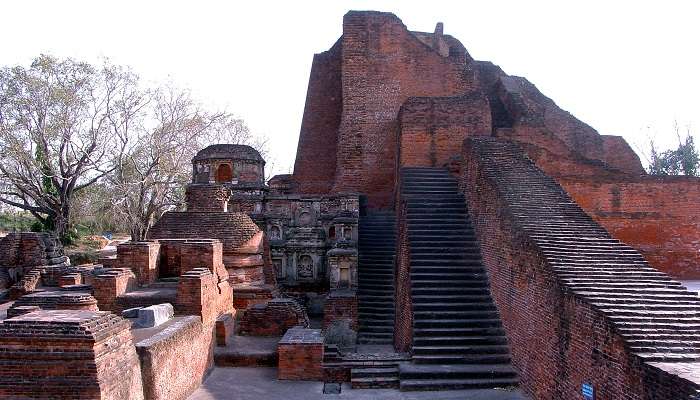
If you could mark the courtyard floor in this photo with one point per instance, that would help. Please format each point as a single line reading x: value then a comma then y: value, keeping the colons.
x: 250, y: 383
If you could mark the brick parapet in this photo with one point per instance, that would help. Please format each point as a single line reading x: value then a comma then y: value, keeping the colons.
x: 546, y: 283
x: 176, y: 360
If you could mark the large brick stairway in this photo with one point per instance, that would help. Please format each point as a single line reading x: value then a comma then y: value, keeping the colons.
x: 377, y: 248
x: 657, y: 317
x: 458, y: 341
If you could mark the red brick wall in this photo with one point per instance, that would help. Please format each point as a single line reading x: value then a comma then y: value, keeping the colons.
x: 432, y: 129
x: 315, y: 165
x: 272, y: 318
x: 660, y: 217
x: 176, y: 361
x: 206, y: 197
x: 534, y: 114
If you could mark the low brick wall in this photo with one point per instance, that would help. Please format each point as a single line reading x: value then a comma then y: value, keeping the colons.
x: 301, y: 355
x: 176, y: 360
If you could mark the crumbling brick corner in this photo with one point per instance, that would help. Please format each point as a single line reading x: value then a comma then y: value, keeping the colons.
x: 111, y: 284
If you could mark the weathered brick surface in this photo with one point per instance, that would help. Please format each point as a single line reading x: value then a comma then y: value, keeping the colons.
x: 199, y: 292
x: 660, y: 217
x: 577, y: 305
x: 272, y: 318
x: 300, y: 355
x: 432, y: 128
x: 207, y: 197
x: 381, y: 65
x: 340, y: 305
x: 29, y: 249
x: 315, y: 165
x: 70, y: 279
x: 54, y: 300
x: 233, y: 229
x: 68, y: 354
x: 176, y: 360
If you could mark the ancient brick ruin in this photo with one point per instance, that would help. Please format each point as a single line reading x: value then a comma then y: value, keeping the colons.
x: 457, y: 222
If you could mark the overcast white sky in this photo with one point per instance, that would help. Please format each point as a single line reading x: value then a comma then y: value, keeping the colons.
x: 627, y: 68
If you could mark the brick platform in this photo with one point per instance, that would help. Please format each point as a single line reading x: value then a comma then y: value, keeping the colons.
x: 301, y: 355
x: 68, y: 354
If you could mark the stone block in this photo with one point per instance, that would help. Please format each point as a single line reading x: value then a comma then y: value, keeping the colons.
x: 148, y: 317
x: 131, y: 312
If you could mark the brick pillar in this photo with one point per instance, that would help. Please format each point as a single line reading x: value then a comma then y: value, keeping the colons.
x: 142, y: 258
x: 301, y: 355
x: 69, y: 354
x: 197, y: 295
x: 111, y: 284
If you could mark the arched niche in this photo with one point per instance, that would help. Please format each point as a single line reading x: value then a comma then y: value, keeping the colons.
x: 224, y: 173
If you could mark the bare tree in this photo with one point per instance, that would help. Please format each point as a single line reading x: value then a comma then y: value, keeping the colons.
x: 154, y: 161
x: 66, y: 125
x: 56, y: 129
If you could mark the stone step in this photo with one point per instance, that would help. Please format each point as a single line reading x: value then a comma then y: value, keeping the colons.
x: 455, y: 349
x: 453, y: 306
x: 459, y: 340
x: 462, y: 359
x: 482, y: 290
x: 454, y: 314
x: 457, y: 323
x: 448, y: 285
x: 455, y: 384
x: 464, y: 331
x: 419, y: 299
x: 456, y: 371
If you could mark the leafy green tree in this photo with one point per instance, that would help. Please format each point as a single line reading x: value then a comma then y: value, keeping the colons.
x: 684, y: 160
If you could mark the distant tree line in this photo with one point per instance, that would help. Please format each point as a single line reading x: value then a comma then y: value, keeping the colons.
x: 78, y: 139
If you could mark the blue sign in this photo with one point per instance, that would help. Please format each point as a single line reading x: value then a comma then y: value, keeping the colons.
x: 587, y: 390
